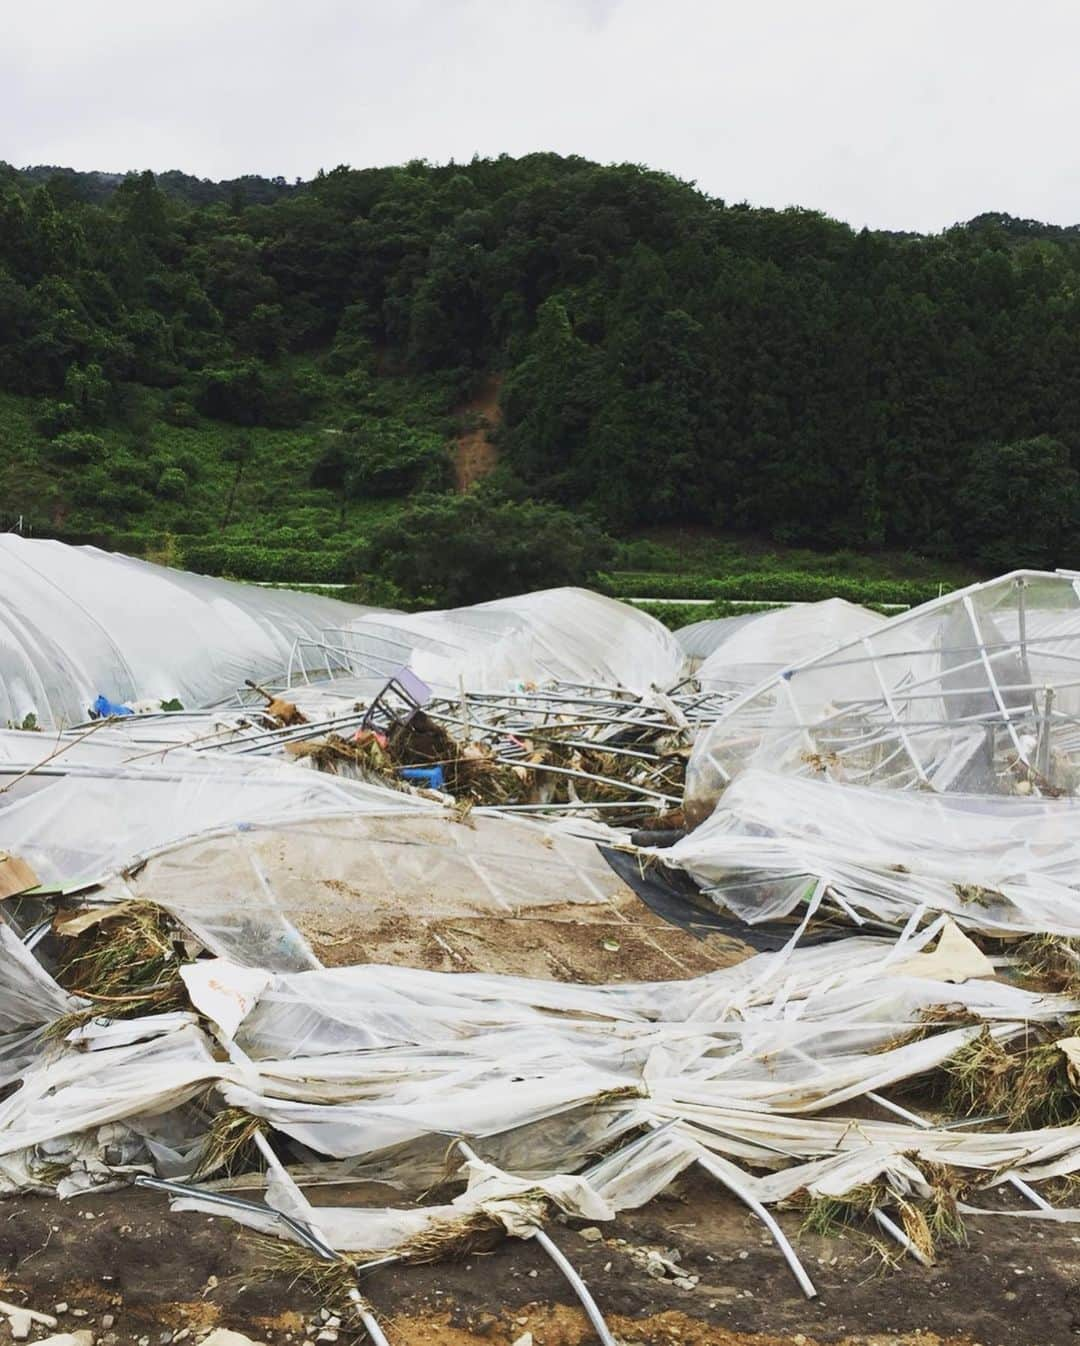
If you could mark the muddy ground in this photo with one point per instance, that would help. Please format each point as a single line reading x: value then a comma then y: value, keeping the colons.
x: 168, y: 1277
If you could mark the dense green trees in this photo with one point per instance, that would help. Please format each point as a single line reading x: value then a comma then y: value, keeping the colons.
x: 452, y: 550
x: 667, y: 358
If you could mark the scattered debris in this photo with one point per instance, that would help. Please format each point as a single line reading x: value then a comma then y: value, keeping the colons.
x: 177, y: 885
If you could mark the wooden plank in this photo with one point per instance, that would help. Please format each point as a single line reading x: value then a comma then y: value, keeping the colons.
x: 16, y: 876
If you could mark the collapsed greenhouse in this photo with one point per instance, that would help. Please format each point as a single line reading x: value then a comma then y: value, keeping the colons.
x: 512, y: 905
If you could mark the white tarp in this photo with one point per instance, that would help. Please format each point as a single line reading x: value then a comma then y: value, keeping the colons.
x: 381, y: 1065
x: 556, y: 634
x: 755, y: 648
x: 997, y: 863
x: 76, y: 622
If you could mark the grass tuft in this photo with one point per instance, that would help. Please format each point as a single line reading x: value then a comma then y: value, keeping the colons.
x: 230, y: 1144
x: 127, y: 965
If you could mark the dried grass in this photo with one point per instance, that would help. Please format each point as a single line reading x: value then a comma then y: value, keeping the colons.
x: 1052, y: 961
x: 329, y: 1282
x: 126, y: 965
x: 230, y: 1144
x: 1030, y: 1086
x: 928, y: 1222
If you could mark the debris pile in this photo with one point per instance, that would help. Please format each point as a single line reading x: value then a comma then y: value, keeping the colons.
x: 386, y: 926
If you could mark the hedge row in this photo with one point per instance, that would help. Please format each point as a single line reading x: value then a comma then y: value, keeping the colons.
x: 246, y: 561
x: 676, y: 615
x: 130, y: 544
x: 776, y: 586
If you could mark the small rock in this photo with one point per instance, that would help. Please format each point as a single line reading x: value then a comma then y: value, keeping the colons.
x: 324, y: 1314
x: 327, y: 1334
x: 21, y: 1323
x: 526, y: 1339
x: 144, y: 1341
x: 78, y: 1313
x: 333, y: 1321
x: 591, y: 1235
x: 61, y: 1307
x: 107, y: 1320
x: 183, y: 1334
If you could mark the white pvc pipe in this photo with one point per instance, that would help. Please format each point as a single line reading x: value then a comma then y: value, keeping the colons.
x: 372, y: 1328
x: 894, y: 1231
x: 579, y: 1287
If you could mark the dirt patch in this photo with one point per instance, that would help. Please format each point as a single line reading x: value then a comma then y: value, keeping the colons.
x: 474, y: 453
x: 157, y: 1272
x: 618, y: 940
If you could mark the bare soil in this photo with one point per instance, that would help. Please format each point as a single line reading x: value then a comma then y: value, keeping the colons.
x: 617, y: 940
x: 474, y: 453
x: 156, y: 1273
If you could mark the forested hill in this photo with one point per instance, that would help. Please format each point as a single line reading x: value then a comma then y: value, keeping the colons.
x: 195, y: 356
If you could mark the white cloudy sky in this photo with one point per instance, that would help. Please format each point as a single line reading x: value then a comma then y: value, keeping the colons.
x: 904, y: 116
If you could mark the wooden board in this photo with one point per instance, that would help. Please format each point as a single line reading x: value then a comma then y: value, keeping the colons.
x: 16, y: 876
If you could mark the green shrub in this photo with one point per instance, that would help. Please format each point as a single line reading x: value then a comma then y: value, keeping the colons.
x: 774, y: 586
x: 452, y: 550
x: 77, y: 447
x: 249, y: 561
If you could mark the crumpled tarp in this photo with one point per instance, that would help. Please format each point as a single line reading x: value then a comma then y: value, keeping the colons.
x: 950, y: 697
x: 1004, y: 865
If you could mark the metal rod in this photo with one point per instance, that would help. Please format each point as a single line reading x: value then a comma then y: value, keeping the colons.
x: 1042, y: 750
x: 584, y: 775
x: 641, y: 806
x: 558, y: 1257
x: 1036, y: 1200
x: 579, y: 1287
x: 372, y: 1328
x: 894, y: 1231
x: 302, y: 1231
x: 716, y: 1171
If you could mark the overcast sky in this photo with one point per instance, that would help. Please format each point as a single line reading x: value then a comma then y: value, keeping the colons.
x: 902, y: 116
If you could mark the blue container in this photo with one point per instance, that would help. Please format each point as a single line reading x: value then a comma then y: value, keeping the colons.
x: 431, y: 776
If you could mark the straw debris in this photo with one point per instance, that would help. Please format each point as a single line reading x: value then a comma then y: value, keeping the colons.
x: 230, y: 1144
x: 128, y: 965
x: 1030, y: 1086
x: 1051, y: 961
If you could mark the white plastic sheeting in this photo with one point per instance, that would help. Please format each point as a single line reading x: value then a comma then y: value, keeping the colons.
x: 381, y: 1065
x: 950, y: 697
x: 254, y: 855
x: 113, y: 807
x: 759, y: 648
x: 76, y: 622
x: 996, y: 863
x: 247, y: 891
x: 556, y: 634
